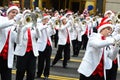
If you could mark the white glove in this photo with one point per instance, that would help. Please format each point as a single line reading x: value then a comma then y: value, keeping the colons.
x: 71, y: 18
x: 49, y: 22
x: 117, y: 37
x: 117, y: 28
x: 18, y: 17
x: 117, y: 44
x: 70, y: 22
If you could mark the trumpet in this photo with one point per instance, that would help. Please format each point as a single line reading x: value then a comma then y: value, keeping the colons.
x: 28, y: 19
x: 82, y: 24
x: 76, y: 20
x: 57, y: 22
x: 94, y: 19
x: 39, y: 14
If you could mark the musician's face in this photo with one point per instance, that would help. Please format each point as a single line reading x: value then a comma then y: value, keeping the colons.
x: 45, y: 20
x: 108, y: 15
x: 12, y: 14
x: 64, y: 21
x: 107, y: 31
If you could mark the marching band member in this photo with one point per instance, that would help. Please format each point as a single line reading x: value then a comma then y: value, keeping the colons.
x: 109, y: 14
x: 89, y: 25
x: 84, y: 33
x: 7, y: 42
x: 63, y: 42
x: 56, y: 24
x: 92, y: 66
x: 112, y: 65
x: 73, y: 33
x: 74, y: 38
x: 82, y: 17
x: 26, y: 50
x: 44, y: 45
x: 79, y: 30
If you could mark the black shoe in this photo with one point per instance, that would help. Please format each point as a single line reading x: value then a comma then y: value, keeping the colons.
x: 37, y: 77
x: 46, y: 78
x: 64, y: 66
x: 74, y: 55
x: 51, y: 65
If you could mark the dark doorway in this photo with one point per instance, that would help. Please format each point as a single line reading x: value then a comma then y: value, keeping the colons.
x: 1, y: 3
x: 75, y: 6
x: 27, y: 4
x: 36, y: 3
x: 99, y: 6
x: 82, y: 7
x: 55, y: 4
x: 44, y: 4
x: 62, y: 4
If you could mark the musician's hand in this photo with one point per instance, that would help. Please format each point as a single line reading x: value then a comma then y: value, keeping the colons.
x: 117, y: 37
x: 18, y: 17
x: 117, y: 43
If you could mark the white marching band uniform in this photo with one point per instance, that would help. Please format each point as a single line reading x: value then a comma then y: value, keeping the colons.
x: 5, y: 26
x: 87, y: 67
x: 47, y: 31
x: 62, y: 33
x: 21, y: 47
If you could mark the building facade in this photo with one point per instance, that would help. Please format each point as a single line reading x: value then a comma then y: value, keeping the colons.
x: 99, y: 6
x: 75, y: 5
x: 113, y: 5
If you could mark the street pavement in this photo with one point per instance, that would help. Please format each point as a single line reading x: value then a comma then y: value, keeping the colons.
x: 57, y: 72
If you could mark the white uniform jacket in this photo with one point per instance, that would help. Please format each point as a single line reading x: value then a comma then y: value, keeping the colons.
x: 109, y: 61
x: 94, y: 52
x: 63, y: 32
x: 46, y: 31
x: 5, y: 26
x: 83, y: 27
x: 79, y: 32
x: 73, y: 31
x: 22, y: 45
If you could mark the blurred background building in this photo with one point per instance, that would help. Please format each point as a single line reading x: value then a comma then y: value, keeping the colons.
x: 99, y: 6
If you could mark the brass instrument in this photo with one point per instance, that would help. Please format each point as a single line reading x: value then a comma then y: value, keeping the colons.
x: 94, y: 19
x: 83, y: 22
x: 118, y: 17
x: 57, y: 22
x: 77, y: 20
x: 39, y: 14
x: 28, y: 19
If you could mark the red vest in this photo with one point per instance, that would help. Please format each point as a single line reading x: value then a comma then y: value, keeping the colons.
x: 68, y: 38
x: 115, y: 61
x: 29, y: 43
x: 48, y: 42
x: 100, y: 68
x: 86, y: 31
x: 4, y: 52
